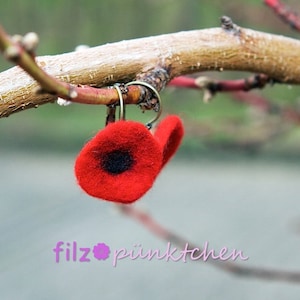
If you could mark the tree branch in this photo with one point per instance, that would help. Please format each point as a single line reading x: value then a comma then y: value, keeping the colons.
x: 211, y: 87
x: 227, y: 48
x: 230, y: 267
x: 238, y: 89
x: 285, y: 13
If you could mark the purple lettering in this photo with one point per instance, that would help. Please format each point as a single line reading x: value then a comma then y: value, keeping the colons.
x: 84, y: 257
x: 117, y: 256
x: 239, y: 253
x: 169, y: 255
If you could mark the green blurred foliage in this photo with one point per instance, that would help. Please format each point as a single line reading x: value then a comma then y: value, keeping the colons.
x: 62, y: 25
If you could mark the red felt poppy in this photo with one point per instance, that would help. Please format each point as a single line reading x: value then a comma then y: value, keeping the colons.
x: 120, y: 163
x: 169, y: 134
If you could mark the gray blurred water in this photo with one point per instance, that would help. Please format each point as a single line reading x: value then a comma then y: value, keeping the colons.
x: 252, y: 206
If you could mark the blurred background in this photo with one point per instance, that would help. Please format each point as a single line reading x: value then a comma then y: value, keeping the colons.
x: 234, y: 181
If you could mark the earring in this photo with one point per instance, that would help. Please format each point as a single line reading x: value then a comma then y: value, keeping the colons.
x: 121, y: 163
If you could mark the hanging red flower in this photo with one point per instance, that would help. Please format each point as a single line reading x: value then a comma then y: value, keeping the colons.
x: 122, y: 161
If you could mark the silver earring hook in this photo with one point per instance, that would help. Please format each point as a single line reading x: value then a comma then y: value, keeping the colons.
x: 121, y: 100
x: 149, y: 86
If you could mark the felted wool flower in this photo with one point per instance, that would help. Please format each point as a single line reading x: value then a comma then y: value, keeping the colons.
x: 169, y: 134
x: 120, y: 163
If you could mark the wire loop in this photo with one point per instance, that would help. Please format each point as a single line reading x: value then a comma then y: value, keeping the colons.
x: 156, y: 94
x: 121, y: 100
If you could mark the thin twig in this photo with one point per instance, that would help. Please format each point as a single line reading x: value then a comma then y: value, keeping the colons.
x: 285, y: 13
x: 237, y: 88
x: 231, y: 267
x: 211, y: 87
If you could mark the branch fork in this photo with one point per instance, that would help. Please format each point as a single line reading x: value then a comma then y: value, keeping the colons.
x: 21, y: 51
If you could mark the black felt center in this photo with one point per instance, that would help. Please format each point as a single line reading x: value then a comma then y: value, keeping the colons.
x: 117, y: 162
